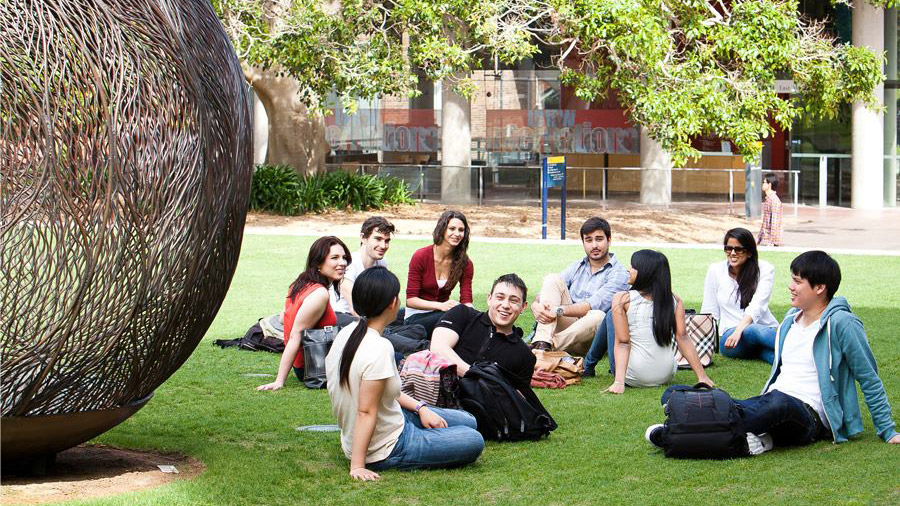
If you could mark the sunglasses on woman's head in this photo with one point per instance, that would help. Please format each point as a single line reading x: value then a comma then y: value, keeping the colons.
x: 735, y: 249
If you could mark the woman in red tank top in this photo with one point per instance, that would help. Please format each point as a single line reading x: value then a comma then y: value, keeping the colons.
x: 307, y: 305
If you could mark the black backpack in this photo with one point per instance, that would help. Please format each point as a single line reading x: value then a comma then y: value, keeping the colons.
x: 703, y: 423
x: 503, y: 412
x: 254, y: 340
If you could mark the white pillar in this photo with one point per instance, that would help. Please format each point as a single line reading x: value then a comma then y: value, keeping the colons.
x: 890, y: 102
x: 867, y: 190
x: 656, y: 172
x: 260, y: 131
x: 456, y: 147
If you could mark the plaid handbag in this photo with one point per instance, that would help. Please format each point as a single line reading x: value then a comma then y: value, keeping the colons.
x: 703, y: 330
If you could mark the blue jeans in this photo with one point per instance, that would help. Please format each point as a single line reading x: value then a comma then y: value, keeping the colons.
x: 420, y: 448
x: 757, y: 341
x: 790, y: 421
x: 604, y: 342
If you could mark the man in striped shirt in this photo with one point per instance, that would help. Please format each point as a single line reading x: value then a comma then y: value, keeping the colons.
x: 770, y: 231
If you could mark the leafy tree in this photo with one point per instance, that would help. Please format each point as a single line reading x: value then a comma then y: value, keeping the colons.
x: 681, y: 68
x: 684, y: 68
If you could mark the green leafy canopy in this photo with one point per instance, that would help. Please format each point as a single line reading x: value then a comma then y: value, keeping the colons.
x: 681, y: 68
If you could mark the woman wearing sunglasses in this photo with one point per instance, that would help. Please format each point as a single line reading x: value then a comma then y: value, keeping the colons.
x: 736, y: 293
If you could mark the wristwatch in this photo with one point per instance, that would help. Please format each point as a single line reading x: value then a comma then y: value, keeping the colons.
x: 559, y: 311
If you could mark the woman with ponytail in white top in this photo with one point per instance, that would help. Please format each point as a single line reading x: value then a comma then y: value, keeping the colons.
x: 382, y: 428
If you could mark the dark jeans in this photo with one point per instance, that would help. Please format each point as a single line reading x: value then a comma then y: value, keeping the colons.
x: 406, y: 338
x: 790, y: 421
x: 604, y: 342
x: 397, y: 333
x: 427, y: 320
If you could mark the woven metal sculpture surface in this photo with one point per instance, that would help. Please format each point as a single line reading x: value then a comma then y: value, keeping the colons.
x: 125, y: 161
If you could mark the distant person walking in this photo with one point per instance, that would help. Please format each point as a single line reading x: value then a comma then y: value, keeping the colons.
x: 770, y: 230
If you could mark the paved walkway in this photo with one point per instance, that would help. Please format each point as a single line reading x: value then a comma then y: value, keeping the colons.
x: 834, y: 229
x: 843, y: 228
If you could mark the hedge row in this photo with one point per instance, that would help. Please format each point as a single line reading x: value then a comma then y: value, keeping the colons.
x: 279, y: 189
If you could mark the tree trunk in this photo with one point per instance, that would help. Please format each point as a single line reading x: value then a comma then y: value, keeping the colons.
x: 296, y: 137
x: 456, y: 147
x: 656, y: 172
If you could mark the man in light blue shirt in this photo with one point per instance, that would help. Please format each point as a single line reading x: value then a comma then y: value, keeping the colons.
x: 572, y: 304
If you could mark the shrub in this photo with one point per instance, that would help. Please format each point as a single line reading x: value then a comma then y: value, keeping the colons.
x: 274, y: 188
x: 281, y: 190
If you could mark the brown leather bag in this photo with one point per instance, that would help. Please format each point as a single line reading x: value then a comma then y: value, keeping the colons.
x: 560, y: 362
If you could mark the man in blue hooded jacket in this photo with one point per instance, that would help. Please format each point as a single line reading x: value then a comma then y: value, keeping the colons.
x: 821, y: 351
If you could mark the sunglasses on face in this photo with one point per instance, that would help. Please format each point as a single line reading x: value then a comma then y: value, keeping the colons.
x: 735, y: 249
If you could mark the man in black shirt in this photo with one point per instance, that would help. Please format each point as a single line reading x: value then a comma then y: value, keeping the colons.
x: 465, y: 335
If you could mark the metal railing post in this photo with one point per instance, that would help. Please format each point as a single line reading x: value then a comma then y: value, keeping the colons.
x: 480, y: 185
x: 731, y: 190
x: 823, y: 181
x: 421, y: 184
x: 603, y: 187
x: 584, y: 173
x: 796, y: 175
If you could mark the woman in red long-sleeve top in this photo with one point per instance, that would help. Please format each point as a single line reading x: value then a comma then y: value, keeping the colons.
x: 434, y: 271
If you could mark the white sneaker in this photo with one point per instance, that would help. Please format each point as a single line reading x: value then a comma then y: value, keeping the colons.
x: 759, y: 444
x: 653, y: 434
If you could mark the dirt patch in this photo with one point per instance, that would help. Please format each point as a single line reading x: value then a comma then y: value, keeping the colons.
x: 91, y: 471
x: 704, y: 223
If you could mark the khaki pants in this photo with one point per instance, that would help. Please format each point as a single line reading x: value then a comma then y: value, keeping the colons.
x: 567, y: 333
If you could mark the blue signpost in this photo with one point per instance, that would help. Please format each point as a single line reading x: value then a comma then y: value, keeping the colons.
x: 553, y: 175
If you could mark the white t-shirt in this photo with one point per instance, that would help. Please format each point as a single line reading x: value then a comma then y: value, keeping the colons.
x: 338, y: 304
x: 722, y: 299
x: 341, y: 304
x: 374, y: 360
x: 799, y: 377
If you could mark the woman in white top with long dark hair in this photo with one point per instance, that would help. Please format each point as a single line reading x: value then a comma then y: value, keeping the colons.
x: 647, y: 321
x: 736, y: 293
x: 382, y: 428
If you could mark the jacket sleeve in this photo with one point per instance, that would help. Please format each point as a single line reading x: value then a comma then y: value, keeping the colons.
x: 710, y: 302
x: 858, y: 355
x: 759, y: 304
x: 465, y: 284
x: 414, y: 277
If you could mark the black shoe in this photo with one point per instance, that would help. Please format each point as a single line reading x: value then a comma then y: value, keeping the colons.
x: 541, y: 345
x: 588, y: 373
x: 653, y: 435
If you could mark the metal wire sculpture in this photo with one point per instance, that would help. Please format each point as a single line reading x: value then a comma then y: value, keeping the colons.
x: 125, y: 161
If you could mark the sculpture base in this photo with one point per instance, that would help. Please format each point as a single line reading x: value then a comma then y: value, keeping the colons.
x: 29, y: 439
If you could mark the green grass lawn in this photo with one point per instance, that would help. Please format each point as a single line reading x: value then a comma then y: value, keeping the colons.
x: 210, y: 410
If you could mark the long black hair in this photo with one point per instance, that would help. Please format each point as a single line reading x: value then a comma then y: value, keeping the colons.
x: 460, y: 258
x: 318, y: 253
x: 655, y: 279
x: 374, y: 290
x: 748, y: 277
